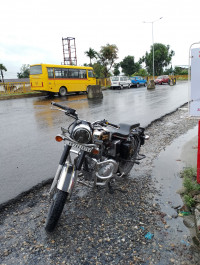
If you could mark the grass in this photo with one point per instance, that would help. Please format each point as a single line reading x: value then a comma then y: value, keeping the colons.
x: 191, y: 186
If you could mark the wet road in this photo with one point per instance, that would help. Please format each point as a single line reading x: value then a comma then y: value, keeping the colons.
x: 29, y: 153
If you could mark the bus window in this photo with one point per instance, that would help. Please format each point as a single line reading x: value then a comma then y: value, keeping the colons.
x: 65, y: 73
x: 58, y: 73
x: 73, y: 73
x: 90, y: 73
x: 36, y: 70
x: 82, y: 74
x: 50, y: 72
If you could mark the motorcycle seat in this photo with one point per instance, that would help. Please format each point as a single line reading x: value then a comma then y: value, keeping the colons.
x: 124, y: 130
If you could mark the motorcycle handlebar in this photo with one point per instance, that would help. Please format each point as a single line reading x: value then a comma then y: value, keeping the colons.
x: 111, y: 124
x: 69, y: 110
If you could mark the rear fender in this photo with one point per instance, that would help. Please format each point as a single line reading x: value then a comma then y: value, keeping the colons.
x: 67, y: 179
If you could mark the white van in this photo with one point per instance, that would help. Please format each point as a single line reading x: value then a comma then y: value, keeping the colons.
x: 120, y: 82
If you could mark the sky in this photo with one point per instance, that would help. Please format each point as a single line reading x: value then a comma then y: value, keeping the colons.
x: 32, y: 31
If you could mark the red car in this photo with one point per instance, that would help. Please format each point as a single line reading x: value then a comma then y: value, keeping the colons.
x: 162, y: 79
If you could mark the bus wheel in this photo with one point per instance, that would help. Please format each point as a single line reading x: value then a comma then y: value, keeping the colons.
x: 63, y: 91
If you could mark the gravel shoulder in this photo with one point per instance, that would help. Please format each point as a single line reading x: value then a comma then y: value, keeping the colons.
x: 97, y: 227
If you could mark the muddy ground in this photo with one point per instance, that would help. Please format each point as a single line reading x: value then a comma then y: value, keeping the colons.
x: 96, y: 227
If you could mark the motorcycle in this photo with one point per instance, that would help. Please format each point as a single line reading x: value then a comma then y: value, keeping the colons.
x: 95, y: 154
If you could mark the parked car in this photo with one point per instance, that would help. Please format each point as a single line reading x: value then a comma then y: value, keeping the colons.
x: 162, y: 79
x: 120, y: 82
x: 138, y: 81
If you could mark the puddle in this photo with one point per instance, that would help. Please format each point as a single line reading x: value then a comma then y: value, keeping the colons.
x: 166, y: 176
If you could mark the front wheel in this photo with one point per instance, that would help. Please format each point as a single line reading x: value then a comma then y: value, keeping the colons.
x: 55, y: 210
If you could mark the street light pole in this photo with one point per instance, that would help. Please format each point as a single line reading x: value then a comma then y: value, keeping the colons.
x: 153, y: 41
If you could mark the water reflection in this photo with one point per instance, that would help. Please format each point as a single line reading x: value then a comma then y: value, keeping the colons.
x: 47, y: 116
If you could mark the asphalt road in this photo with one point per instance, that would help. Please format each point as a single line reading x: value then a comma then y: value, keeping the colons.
x: 29, y: 153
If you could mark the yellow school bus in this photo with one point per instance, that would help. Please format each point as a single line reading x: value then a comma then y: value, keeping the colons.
x: 61, y: 79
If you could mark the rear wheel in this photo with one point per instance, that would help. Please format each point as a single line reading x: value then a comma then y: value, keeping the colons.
x: 126, y: 165
x: 63, y: 91
x: 55, y: 210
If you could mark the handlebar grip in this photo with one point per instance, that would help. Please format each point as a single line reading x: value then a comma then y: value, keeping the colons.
x: 113, y: 125
x: 69, y: 110
x: 60, y: 106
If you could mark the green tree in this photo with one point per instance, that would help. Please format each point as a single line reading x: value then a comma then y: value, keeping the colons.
x: 141, y: 72
x: 169, y: 71
x: 107, y: 57
x: 129, y: 66
x: 98, y: 70
x: 180, y: 70
x: 116, y: 69
x: 2, y: 68
x: 24, y: 71
x: 162, y: 58
x: 91, y: 53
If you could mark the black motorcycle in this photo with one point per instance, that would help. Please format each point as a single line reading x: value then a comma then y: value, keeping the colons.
x: 93, y: 153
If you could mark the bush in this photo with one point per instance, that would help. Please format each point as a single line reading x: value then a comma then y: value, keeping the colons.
x: 189, y: 201
x: 191, y: 185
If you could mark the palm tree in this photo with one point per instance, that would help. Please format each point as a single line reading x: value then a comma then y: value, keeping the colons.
x: 91, y: 53
x: 2, y: 68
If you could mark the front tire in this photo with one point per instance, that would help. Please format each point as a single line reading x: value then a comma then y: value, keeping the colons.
x: 55, y: 210
x: 63, y: 91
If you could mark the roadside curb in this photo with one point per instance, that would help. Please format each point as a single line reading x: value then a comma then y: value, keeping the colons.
x: 16, y: 199
x: 23, y: 96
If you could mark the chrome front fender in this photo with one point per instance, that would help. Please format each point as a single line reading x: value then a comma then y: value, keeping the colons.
x: 67, y: 179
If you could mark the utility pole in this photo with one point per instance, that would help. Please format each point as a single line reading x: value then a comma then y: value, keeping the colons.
x: 153, y: 41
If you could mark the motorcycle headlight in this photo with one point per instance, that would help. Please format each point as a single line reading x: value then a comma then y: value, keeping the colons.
x: 82, y: 134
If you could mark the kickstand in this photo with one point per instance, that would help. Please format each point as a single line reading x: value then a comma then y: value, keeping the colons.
x: 110, y: 188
